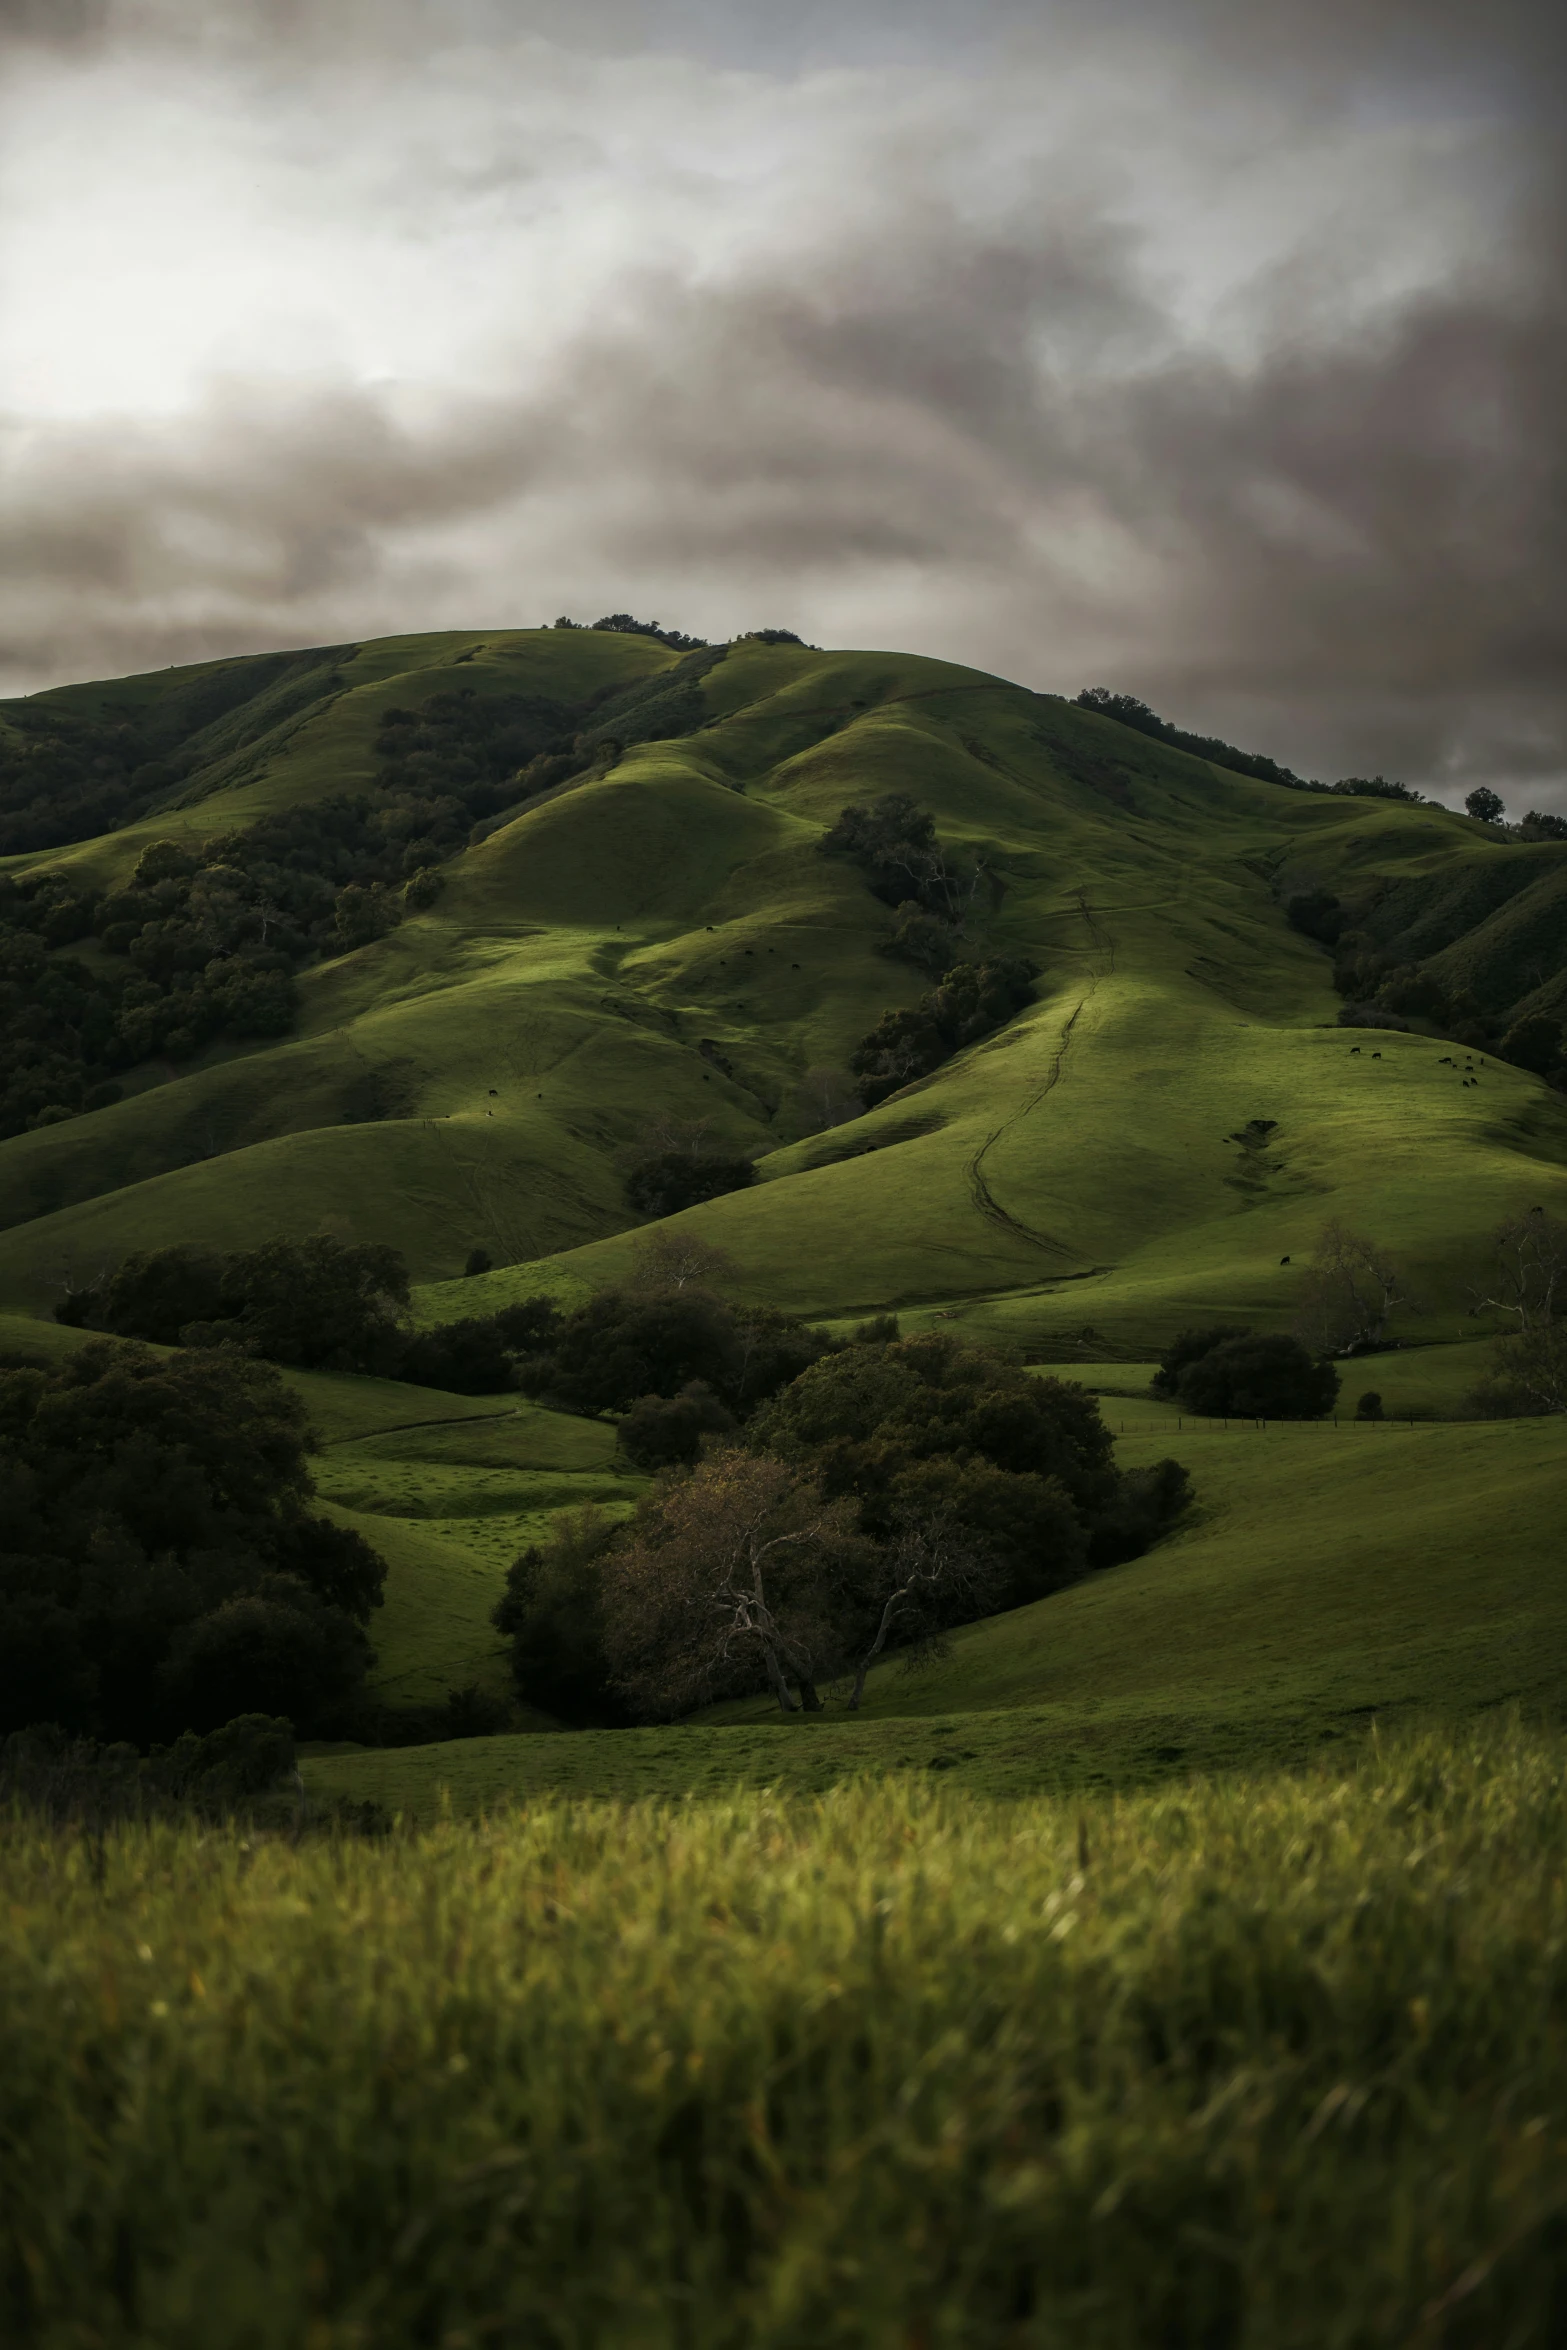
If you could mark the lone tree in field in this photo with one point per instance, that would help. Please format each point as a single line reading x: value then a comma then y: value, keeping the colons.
x: 1352, y: 1291
x: 667, y: 1260
x: 1485, y: 805
x: 730, y: 1572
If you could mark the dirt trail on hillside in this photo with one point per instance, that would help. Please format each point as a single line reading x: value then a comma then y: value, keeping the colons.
x: 979, y: 1187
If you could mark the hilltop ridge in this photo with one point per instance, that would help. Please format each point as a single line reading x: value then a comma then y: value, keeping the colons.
x: 658, y: 936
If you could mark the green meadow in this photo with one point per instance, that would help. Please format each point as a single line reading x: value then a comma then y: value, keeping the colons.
x: 1271, y: 2062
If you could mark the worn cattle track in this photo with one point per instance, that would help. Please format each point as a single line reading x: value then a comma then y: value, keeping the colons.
x: 979, y: 1187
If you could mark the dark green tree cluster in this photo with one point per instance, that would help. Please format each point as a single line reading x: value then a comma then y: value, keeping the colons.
x: 1386, y: 990
x: 212, y: 936
x: 317, y: 1304
x: 84, y: 1782
x: 663, y: 1182
x: 972, y: 1001
x: 69, y: 774
x: 1316, y: 913
x: 64, y: 778
x: 1376, y: 787
x: 894, y: 844
x: 944, y: 1484
x: 623, y: 624
x: 625, y: 1346
x: 161, y: 1568
x: 1231, y: 1372
x: 1127, y: 710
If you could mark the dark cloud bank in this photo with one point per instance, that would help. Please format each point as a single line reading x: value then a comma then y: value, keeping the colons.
x: 957, y: 381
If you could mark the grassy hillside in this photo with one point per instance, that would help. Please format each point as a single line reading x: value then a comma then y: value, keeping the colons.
x: 664, y: 939
x: 513, y: 1041
x: 1323, y: 1577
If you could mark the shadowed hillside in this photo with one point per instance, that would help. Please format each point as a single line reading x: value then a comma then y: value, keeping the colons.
x: 660, y: 937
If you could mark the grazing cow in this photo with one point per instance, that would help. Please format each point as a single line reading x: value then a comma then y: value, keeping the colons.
x: 1284, y: 1260
x: 1354, y: 1048
x: 1376, y: 1056
x: 495, y: 1093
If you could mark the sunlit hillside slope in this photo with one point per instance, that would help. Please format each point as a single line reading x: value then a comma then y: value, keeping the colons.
x: 666, y: 939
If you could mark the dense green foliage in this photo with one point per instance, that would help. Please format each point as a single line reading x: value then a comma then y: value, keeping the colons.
x: 52, y: 1775
x: 318, y: 1304
x: 623, y: 1345
x: 1252, y: 2064
x: 552, y: 1614
x: 919, y: 1467
x: 972, y: 1001
x: 664, y: 1182
x: 160, y: 1565
x: 1246, y: 1374
x: 1127, y: 710
x: 68, y: 773
x: 894, y: 844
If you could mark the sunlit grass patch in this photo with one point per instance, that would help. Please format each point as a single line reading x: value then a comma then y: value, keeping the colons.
x: 1246, y: 2062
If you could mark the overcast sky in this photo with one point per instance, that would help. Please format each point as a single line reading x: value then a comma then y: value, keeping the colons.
x: 1212, y: 352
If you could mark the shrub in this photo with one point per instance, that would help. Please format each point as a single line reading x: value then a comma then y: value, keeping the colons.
x: 626, y: 1344
x: 667, y: 1181
x: 141, y: 1498
x: 1189, y: 1347
x: 1317, y: 914
x: 664, y: 1431
x: 1257, y: 1377
x: 1533, y: 1043
x: 1369, y: 1406
x: 1026, y: 1524
x: 552, y: 1615
x: 157, y: 1292
x: 273, y: 1650
x: 972, y: 1000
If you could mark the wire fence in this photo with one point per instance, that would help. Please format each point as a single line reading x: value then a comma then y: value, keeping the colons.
x: 1184, y: 1421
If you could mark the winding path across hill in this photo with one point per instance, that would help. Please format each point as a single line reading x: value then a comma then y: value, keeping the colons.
x: 979, y: 1186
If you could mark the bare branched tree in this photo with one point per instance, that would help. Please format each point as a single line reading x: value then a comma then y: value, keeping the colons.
x: 933, y: 1572
x: 664, y: 1132
x: 1527, y: 1281
x: 827, y: 1097
x: 1351, y: 1292
x: 729, y: 1568
x: 667, y: 1258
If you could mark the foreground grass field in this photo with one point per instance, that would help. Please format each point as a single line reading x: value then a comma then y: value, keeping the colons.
x: 1252, y: 2064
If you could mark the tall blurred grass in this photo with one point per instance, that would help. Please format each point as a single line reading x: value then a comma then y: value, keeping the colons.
x: 1251, y: 2063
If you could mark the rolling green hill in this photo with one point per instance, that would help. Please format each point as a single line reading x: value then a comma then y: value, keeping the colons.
x: 471, y: 1079
x: 661, y: 938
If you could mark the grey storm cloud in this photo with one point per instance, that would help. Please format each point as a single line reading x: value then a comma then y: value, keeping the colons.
x: 1216, y: 354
